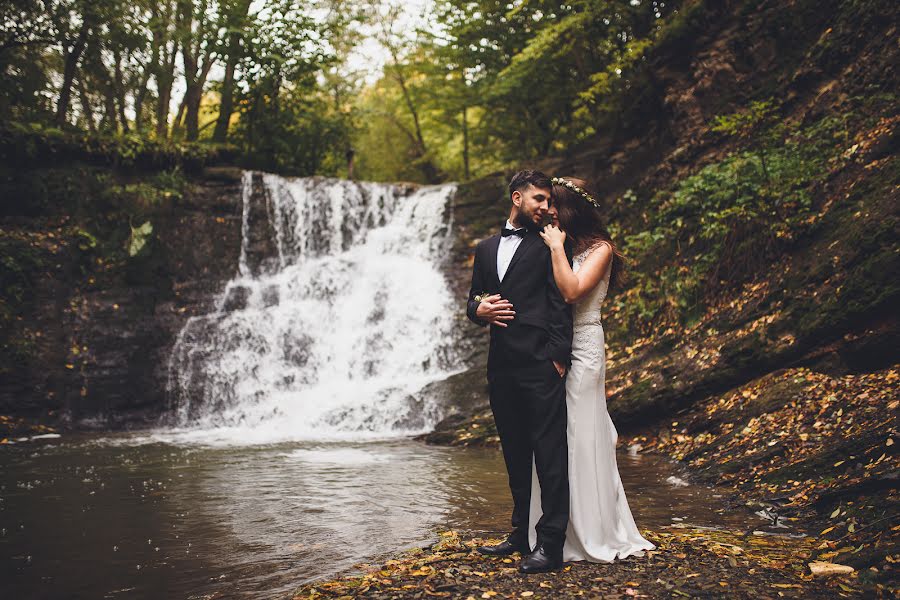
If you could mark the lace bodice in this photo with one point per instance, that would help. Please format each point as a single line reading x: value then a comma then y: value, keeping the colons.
x: 587, y: 310
x: 588, y: 338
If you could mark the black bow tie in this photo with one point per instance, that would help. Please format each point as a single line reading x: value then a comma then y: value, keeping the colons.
x: 506, y: 232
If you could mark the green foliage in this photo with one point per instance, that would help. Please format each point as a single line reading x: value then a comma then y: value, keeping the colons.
x: 36, y: 143
x: 497, y: 84
x: 164, y: 187
x: 723, y: 225
x: 762, y: 115
x: 100, y: 79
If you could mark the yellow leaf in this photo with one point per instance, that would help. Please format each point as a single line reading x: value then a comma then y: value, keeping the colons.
x: 824, y: 531
x: 527, y: 594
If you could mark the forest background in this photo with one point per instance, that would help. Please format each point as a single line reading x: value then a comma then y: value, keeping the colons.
x: 465, y: 89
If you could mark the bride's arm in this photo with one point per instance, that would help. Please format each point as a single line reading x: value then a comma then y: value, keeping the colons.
x: 572, y: 286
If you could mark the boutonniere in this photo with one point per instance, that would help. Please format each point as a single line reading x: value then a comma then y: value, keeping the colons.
x: 481, y: 296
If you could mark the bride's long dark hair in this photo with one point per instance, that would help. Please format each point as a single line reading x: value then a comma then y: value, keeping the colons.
x: 583, y: 224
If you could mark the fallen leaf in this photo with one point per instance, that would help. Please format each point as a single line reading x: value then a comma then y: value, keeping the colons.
x: 819, y: 568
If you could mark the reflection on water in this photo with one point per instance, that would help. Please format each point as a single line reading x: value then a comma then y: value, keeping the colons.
x: 89, y: 517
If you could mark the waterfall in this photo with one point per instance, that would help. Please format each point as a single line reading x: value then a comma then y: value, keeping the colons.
x: 338, y: 315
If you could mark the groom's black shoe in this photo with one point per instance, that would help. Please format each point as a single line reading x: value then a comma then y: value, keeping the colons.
x: 505, y: 548
x: 541, y: 560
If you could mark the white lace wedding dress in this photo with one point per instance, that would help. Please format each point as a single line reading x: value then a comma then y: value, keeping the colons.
x: 601, y: 527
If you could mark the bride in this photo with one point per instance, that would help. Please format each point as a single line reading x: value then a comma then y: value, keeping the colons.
x: 601, y: 528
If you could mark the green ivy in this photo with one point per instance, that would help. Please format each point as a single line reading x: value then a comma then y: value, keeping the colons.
x: 718, y: 228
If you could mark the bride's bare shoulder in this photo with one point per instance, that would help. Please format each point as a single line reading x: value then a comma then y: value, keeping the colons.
x: 590, y: 250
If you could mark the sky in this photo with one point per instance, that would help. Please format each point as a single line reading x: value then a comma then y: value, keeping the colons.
x: 369, y: 57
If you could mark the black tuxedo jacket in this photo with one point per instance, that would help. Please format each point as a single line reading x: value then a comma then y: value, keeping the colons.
x: 542, y: 327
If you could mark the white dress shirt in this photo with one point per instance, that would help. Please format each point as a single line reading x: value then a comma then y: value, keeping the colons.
x: 506, y: 250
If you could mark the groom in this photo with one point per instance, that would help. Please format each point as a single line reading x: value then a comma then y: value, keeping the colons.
x: 513, y: 291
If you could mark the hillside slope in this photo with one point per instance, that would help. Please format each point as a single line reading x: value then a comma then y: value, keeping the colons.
x: 754, y: 186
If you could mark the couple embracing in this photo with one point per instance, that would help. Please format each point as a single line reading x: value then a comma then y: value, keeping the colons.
x: 546, y: 375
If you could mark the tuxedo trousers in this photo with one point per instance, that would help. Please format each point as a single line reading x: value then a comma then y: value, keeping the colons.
x: 529, y: 407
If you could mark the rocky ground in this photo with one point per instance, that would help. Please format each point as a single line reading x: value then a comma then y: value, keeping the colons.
x: 687, y: 563
x: 803, y: 447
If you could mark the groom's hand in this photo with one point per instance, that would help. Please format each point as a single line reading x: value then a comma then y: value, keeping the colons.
x: 561, y: 369
x: 495, y: 310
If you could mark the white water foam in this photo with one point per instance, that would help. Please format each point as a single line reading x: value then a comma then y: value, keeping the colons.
x: 333, y: 335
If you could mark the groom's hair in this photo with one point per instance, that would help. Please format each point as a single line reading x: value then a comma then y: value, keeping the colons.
x: 523, y: 179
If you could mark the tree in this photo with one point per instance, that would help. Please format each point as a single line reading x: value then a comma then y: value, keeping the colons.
x: 198, y: 27
x: 164, y: 50
x: 399, y: 69
x: 73, y: 25
x: 235, y: 18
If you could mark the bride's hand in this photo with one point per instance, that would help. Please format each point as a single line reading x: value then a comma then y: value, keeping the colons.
x: 554, y: 237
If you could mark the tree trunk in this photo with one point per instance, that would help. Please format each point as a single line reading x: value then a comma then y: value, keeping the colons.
x: 194, y: 96
x: 192, y: 117
x: 465, y: 128
x: 120, y: 90
x: 111, y: 113
x: 150, y: 69
x: 429, y: 171
x: 139, y: 99
x: 72, y: 58
x: 86, y: 106
x: 164, y: 81
x: 226, y: 106
x: 164, y: 84
x: 196, y: 66
x: 165, y: 75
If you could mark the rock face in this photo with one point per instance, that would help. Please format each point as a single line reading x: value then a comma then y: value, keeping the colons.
x: 92, y: 328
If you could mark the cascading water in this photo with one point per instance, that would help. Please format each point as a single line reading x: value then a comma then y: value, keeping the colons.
x: 338, y: 315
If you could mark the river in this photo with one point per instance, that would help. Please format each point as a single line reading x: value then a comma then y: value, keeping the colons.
x: 109, y: 516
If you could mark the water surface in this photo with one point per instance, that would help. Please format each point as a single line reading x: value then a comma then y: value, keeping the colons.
x: 100, y: 517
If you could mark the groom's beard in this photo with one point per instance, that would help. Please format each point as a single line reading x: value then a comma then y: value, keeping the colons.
x: 526, y: 221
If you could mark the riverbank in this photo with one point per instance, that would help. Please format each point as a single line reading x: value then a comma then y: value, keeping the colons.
x: 812, y: 452
x: 687, y: 563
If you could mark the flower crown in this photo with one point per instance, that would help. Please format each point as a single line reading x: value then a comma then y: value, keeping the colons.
x: 568, y: 184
